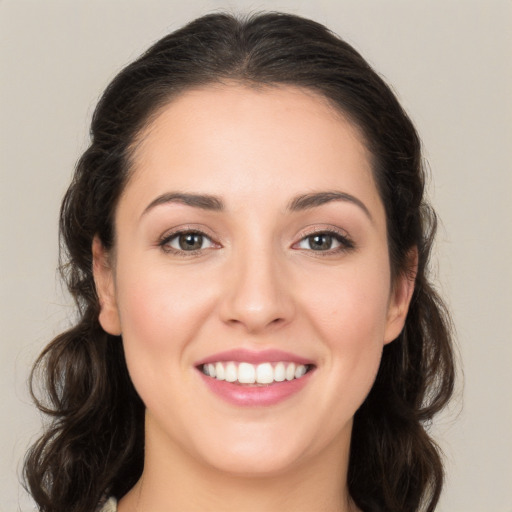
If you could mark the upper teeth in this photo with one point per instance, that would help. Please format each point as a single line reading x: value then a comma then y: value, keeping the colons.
x: 247, y: 373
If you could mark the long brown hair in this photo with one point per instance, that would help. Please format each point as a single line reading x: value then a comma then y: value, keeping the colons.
x: 94, y: 443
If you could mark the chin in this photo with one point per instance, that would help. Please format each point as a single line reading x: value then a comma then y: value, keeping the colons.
x: 255, y: 465
x: 258, y: 451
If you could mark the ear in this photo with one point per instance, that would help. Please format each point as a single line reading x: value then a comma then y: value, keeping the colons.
x: 104, y: 281
x: 400, y: 298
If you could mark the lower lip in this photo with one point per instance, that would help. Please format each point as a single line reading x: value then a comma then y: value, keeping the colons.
x: 255, y: 396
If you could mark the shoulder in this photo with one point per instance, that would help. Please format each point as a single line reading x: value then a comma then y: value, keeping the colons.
x: 108, y: 506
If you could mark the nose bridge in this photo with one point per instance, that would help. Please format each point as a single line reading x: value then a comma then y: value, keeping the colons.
x: 257, y: 294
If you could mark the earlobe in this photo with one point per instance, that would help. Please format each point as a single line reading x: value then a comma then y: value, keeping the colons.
x: 104, y: 282
x: 401, y: 296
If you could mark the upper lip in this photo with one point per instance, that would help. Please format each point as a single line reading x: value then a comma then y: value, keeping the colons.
x: 255, y: 357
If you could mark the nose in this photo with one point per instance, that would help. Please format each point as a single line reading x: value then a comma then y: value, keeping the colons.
x: 257, y: 294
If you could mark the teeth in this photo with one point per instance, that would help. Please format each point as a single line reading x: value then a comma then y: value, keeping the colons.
x: 231, y: 372
x: 279, y: 372
x: 300, y: 371
x: 220, y: 373
x: 247, y: 373
x: 264, y: 373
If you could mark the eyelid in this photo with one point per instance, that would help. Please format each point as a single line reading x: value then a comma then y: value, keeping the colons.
x: 346, y: 242
x: 172, y: 233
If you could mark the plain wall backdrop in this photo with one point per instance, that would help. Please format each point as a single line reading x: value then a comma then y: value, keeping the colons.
x: 450, y: 64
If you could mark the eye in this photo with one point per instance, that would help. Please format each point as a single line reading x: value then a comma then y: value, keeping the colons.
x: 325, y: 241
x: 187, y: 241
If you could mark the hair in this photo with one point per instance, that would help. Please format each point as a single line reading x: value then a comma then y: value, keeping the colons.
x: 94, y: 441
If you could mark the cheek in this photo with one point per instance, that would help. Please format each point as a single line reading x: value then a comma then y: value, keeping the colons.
x: 351, y: 320
x: 351, y: 307
x: 160, y: 310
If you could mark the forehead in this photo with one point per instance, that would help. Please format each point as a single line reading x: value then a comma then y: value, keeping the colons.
x: 248, y: 142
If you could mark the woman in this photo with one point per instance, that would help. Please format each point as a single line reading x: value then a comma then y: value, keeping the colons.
x: 247, y: 242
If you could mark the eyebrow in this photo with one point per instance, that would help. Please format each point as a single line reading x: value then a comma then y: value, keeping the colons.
x: 306, y: 201
x: 299, y: 203
x: 203, y: 201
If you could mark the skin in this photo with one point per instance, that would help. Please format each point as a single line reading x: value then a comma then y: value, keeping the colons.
x: 256, y: 283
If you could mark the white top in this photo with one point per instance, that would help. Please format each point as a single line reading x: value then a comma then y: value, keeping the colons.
x: 109, y: 506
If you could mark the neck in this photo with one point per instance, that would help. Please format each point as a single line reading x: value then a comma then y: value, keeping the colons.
x: 173, y: 480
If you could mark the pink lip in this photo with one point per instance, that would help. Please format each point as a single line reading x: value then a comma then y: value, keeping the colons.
x: 254, y: 357
x: 255, y: 396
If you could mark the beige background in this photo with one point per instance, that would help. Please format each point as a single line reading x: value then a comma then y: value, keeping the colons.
x: 449, y: 62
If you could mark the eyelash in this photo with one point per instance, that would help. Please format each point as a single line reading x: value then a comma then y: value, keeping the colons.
x: 345, y: 243
x: 168, y: 238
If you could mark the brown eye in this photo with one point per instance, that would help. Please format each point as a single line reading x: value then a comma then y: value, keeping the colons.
x: 187, y: 241
x: 325, y: 241
x: 320, y: 242
x: 190, y: 241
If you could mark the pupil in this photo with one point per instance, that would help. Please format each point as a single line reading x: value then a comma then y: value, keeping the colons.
x: 320, y: 242
x: 191, y: 241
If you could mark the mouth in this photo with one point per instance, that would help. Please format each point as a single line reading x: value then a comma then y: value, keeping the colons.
x: 246, y: 378
x: 262, y: 374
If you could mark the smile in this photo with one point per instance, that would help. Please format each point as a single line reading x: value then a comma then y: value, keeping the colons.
x: 248, y: 378
x: 248, y: 373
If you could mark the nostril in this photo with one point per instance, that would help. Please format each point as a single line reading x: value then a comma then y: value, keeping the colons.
x: 254, y: 321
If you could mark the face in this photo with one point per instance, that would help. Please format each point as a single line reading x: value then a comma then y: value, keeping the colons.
x: 250, y: 249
